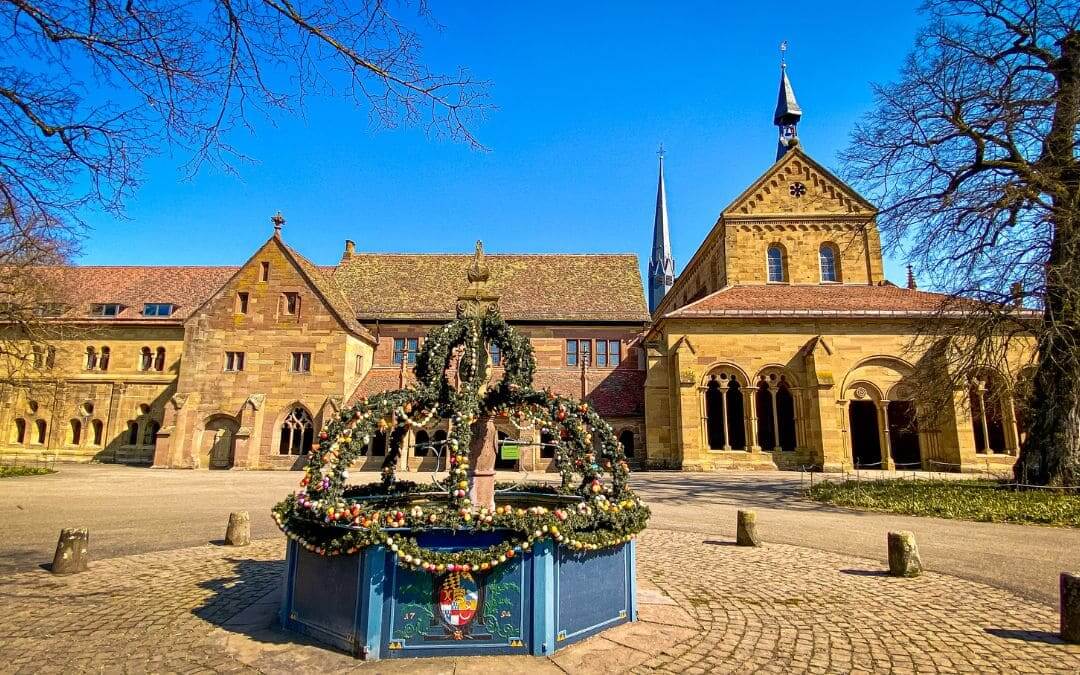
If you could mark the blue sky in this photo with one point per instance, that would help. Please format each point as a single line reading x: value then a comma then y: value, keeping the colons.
x: 585, y: 92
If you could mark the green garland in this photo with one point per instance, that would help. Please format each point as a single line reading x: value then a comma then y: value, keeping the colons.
x: 326, y: 517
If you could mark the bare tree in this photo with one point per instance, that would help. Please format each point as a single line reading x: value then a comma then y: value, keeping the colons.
x: 973, y: 156
x: 89, y: 90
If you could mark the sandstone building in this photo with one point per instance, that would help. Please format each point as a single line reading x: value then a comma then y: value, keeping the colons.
x: 221, y: 367
x: 781, y: 344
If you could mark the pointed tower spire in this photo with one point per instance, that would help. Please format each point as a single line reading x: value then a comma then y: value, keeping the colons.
x: 661, y: 264
x: 788, y: 113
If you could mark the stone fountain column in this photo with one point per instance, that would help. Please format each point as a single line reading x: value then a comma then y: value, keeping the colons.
x: 482, y: 453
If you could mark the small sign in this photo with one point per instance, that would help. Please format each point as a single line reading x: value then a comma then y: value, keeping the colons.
x: 510, y: 451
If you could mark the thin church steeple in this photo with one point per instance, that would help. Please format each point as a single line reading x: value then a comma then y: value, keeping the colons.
x: 661, y: 264
x: 788, y: 113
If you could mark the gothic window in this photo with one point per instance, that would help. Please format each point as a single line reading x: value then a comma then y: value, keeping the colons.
x: 775, y: 263
x: 775, y: 413
x: 97, y: 432
x: 159, y: 359
x: 627, y: 440
x: 91, y: 358
x: 19, y: 432
x: 39, y: 427
x: 405, y: 350
x: 724, y: 412
x: 830, y: 263
x: 264, y: 271
x: 103, y: 362
x: 297, y: 432
x: 75, y: 432
x: 146, y: 359
x: 420, y: 441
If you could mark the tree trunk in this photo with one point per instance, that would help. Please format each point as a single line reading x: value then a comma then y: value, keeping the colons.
x: 1051, y: 452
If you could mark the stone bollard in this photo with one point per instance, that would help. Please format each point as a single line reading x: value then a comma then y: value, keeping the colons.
x: 71, y: 551
x: 746, y: 529
x: 239, y: 530
x: 1070, y: 607
x: 904, y: 558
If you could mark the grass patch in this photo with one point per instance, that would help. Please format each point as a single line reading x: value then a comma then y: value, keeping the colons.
x: 979, y: 500
x: 16, y: 471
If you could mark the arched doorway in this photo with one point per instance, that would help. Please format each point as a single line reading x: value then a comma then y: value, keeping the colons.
x: 865, y: 436
x: 627, y: 440
x: 904, y: 434
x: 217, y: 442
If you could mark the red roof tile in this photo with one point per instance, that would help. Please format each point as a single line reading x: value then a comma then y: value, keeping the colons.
x: 769, y: 300
x: 77, y: 288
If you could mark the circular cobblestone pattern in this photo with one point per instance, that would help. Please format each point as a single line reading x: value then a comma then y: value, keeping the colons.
x: 705, y: 606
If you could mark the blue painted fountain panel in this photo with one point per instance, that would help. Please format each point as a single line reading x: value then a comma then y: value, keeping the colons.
x: 592, y: 591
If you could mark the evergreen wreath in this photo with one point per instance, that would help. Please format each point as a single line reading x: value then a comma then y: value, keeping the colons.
x: 596, y: 508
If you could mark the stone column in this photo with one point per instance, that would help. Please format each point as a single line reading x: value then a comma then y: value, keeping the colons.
x: 723, y: 399
x: 775, y: 419
x: 886, y: 444
x: 750, y: 406
x: 482, y: 452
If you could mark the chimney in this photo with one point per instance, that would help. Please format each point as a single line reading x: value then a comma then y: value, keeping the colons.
x: 1017, y: 293
x: 911, y: 278
x: 350, y: 249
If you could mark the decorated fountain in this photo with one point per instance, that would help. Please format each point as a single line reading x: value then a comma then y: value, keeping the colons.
x: 463, y: 565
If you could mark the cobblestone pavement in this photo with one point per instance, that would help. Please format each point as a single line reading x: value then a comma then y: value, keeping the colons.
x: 705, y: 605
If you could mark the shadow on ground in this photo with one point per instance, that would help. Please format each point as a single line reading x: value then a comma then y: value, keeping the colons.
x: 1027, y: 635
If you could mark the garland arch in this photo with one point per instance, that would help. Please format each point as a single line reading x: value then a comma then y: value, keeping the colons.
x: 595, y: 506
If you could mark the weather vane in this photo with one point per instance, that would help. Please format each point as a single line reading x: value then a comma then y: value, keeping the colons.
x: 783, y: 48
x: 660, y: 151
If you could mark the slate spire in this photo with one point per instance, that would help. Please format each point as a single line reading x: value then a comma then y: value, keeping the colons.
x: 788, y: 113
x: 661, y: 264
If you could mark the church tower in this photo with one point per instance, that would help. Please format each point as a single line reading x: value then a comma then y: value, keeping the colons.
x: 661, y: 264
x: 788, y: 112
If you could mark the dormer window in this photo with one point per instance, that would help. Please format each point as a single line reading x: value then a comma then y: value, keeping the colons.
x: 157, y: 309
x: 49, y: 309
x: 105, y: 309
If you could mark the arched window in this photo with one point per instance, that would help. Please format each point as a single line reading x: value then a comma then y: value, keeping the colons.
x: 97, y: 431
x: 830, y: 263
x: 724, y: 411
x: 987, y: 418
x: 91, y: 358
x: 547, y: 445
x: 378, y: 444
x: 133, y: 433
x: 297, y: 432
x: 40, y: 428
x: 420, y: 441
x: 775, y: 413
x: 775, y: 262
x: 75, y: 433
x: 146, y: 359
x: 627, y: 440
x: 103, y: 362
x: 150, y: 433
x: 159, y: 359
x: 439, y: 443
x: 18, y: 433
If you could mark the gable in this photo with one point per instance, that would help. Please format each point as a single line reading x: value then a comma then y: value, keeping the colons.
x: 797, y: 185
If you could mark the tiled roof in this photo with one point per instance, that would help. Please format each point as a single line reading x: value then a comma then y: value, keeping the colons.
x: 537, y: 287
x: 77, y: 288
x: 329, y: 291
x: 771, y: 300
x: 617, y: 393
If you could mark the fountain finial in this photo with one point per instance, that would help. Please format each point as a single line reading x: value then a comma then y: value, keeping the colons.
x: 478, y: 297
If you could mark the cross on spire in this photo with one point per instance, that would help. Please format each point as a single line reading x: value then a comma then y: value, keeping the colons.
x: 278, y: 220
